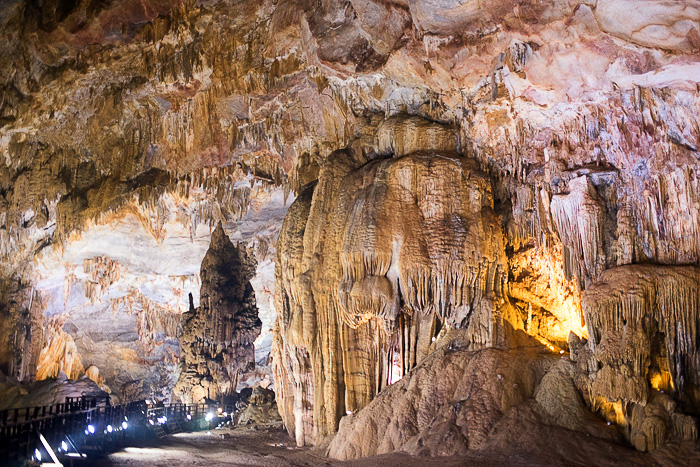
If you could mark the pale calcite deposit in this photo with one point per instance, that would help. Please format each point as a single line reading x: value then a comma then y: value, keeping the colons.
x: 459, y: 400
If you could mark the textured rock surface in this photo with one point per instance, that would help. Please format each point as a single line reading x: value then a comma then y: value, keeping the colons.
x: 21, y: 328
x: 572, y: 124
x: 643, y: 351
x: 370, y: 267
x: 217, y: 339
x: 46, y: 392
x: 459, y: 400
x: 260, y: 409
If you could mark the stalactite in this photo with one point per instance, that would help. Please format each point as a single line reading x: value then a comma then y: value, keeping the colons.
x: 102, y: 273
x: 59, y: 354
x: 626, y: 312
x: 579, y: 220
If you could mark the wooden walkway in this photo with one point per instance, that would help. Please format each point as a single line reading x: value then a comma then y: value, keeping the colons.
x: 87, y: 426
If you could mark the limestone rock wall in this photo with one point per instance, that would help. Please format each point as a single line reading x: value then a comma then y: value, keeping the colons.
x: 217, y: 337
x: 21, y: 328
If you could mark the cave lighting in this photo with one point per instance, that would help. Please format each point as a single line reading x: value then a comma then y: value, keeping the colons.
x: 396, y: 369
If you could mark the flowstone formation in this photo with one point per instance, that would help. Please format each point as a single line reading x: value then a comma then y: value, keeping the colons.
x: 372, y: 264
x: 460, y: 400
x: 643, y: 346
x: 217, y: 340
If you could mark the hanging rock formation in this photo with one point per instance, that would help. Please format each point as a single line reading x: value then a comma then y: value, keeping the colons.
x: 217, y: 339
x: 643, y: 351
x: 372, y: 263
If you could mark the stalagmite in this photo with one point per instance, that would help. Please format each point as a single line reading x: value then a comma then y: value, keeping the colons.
x: 217, y: 339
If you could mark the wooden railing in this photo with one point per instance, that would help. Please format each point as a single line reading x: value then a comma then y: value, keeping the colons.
x: 89, y: 424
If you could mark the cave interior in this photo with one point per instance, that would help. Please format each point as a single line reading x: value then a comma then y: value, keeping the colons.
x: 412, y: 229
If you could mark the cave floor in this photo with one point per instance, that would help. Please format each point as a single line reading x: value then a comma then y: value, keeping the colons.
x: 246, y: 446
x: 271, y: 447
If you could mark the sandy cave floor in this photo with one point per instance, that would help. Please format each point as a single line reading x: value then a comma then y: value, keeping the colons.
x: 271, y: 447
x: 245, y: 446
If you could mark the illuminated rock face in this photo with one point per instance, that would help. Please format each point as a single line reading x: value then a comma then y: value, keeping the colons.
x: 372, y: 262
x: 643, y: 323
x: 217, y: 339
x: 487, y: 168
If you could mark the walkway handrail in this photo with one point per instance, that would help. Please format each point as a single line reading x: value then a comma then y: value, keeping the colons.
x: 90, y: 419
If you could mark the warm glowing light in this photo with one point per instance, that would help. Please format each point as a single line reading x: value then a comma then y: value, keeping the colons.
x: 396, y: 368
